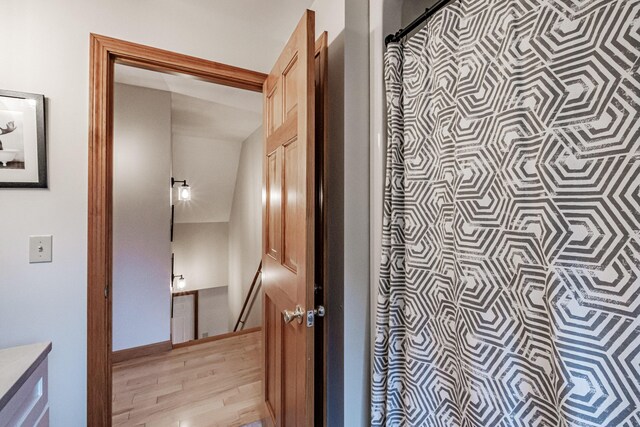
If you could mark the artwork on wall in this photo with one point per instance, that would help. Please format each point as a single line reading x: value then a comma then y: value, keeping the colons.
x: 23, y: 155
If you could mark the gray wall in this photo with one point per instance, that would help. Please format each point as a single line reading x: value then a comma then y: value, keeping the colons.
x: 141, y: 216
x: 411, y: 9
x: 245, y: 230
x: 201, y: 252
x: 213, y: 312
x: 347, y: 204
x: 356, y: 214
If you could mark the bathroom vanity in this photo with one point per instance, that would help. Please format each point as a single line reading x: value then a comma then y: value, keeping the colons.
x: 24, y: 399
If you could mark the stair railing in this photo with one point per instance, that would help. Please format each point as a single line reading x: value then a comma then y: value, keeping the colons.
x: 242, y: 318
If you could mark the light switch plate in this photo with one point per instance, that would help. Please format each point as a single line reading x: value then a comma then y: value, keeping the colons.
x: 40, y: 248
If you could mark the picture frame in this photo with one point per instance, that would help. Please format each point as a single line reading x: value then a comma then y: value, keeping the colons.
x: 23, y: 147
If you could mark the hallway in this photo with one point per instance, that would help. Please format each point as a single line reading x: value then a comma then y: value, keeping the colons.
x: 217, y: 383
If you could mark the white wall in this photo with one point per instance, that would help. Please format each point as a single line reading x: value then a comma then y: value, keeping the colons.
x: 201, y: 251
x: 46, y: 50
x: 213, y: 312
x: 141, y: 216
x: 48, y: 43
x: 245, y: 230
x: 209, y: 165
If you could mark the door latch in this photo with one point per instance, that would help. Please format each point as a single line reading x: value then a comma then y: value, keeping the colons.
x: 312, y: 314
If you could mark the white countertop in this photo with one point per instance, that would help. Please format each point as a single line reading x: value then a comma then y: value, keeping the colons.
x: 16, y: 365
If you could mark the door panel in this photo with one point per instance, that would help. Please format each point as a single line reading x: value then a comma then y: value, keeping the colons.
x: 274, y: 116
x: 289, y: 228
x: 290, y: 85
x: 271, y: 339
x: 289, y: 379
x: 183, y: 319
x: 291, y: 199
x: 273, y: 219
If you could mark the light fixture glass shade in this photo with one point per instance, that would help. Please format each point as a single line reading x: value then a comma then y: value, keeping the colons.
x: 182, y: 282
x: 184, y: 192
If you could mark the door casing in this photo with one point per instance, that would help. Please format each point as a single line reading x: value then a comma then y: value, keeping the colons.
x: 105, y: 52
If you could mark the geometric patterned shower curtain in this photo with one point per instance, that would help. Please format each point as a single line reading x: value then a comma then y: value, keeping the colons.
x: 510, y: 278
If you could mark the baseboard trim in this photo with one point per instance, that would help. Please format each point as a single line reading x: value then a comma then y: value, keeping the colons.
x: 143, y: 350
x: 217, y: 337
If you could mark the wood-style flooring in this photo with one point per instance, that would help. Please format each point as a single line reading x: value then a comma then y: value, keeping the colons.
x: 218, y: 383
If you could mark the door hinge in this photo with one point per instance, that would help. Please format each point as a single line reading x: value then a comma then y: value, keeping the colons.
x: 106, y: 291
x: 312, y: 314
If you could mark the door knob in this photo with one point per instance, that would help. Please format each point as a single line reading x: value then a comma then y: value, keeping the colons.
x: 289, y: 315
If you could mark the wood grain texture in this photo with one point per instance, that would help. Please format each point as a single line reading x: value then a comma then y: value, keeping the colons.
x: 104, y: 53
x: 100, y: 236
x: 164, y: 61
x: 217, y: 337
x: 289, y: 209
x: 143, y: 350
x: 212, y: 384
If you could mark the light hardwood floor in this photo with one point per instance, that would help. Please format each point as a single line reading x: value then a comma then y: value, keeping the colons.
x: 212, y: 384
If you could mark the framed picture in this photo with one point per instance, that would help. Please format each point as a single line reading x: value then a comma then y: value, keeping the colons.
x: 23, y: 149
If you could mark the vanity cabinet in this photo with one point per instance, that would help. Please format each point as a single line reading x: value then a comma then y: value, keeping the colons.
x: 24, y: 399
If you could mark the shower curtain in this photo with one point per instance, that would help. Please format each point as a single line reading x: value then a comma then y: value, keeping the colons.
x: 511, y: 237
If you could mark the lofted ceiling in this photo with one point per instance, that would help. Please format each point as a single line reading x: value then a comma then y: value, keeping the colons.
x: 209, y: 122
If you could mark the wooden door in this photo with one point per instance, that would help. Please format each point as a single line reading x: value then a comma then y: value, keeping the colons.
x: 289, y: 209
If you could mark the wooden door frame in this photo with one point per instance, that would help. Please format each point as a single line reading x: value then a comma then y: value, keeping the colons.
x: 321, y: 237
x: 105, y: 52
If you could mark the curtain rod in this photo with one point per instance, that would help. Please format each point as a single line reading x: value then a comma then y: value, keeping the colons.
x: 392, y: 38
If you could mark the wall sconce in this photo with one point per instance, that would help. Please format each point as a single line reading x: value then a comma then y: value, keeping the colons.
x: 182, y: 282
x: 184, y: 191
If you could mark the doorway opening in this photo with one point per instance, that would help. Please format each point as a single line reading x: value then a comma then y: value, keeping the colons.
x: 104, y: 167
x: 295, y: 187
x: 187, y: 233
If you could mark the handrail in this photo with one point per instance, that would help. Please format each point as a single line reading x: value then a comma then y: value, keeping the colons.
x: 247, y: 299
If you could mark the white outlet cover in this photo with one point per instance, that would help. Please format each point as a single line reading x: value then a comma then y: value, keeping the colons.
x: 40, y: 249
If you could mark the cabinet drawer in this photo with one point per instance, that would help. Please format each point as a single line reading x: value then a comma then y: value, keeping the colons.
x: 29, y: 406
